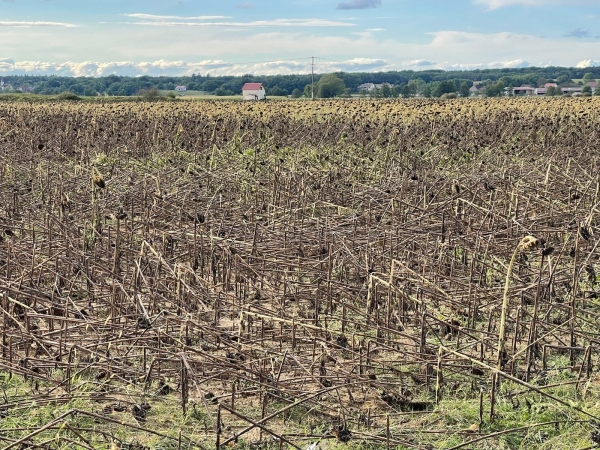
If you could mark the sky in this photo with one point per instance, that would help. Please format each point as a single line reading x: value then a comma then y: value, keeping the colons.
x: 266, y: 37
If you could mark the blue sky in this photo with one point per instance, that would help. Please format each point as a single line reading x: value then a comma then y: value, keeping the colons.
x: 179, y: 37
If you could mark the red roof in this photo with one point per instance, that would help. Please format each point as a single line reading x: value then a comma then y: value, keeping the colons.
x: 252, y: 87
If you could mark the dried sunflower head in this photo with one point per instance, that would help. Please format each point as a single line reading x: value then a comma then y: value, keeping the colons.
x: 99, y: 181
x: 528, y: 243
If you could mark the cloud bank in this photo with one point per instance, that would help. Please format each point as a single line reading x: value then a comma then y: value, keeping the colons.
x: 173, y: 51
x: 208, y: 21
x: 516, y: 64
x: 8, y: 23
x: 284, y: 23
x: 181, y: 68
x: 419, y: 63
x: 588, y: 63
x: 155, y: 17
x: 497, y: 4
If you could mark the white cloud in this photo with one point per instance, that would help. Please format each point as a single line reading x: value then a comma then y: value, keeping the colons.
x: 8, y: 23
x: 356, y: 65
x: 516, y: 64
x: 176, y: 68
x: 588, y: 63
x: 220, y: 67
x: 498, y: 50
x: 497, y: 4
x: 487, y: 44
x: 254, y: 24
x: 155, y: 17
x: 418, y: 63
x: 182, y: 50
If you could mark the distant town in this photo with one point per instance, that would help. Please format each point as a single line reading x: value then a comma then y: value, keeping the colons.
x: 551, y: 81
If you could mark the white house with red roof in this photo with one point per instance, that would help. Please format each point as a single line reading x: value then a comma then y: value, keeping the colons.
x: 253, y: 91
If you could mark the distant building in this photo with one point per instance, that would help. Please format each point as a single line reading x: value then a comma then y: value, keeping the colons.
x: 527, y: 90
x: 524, y: 90
x: 593, y: 85
x: 369, y: 87
x: 571, y: 90
x: 477, y: 89
x: 253, y: 91
x: 180, y: 88
x: 544, y: 90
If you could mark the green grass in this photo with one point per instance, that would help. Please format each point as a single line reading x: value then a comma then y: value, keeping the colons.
x: 165, y: 415
x: 545, y: 425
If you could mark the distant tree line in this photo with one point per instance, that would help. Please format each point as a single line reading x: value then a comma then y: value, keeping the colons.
x: 427, y: 83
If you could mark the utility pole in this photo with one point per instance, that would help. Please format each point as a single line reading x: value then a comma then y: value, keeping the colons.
x: 312, y: 86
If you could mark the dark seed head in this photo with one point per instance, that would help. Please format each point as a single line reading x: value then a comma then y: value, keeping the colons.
x: 99, y: 181
x: 548, y: 251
